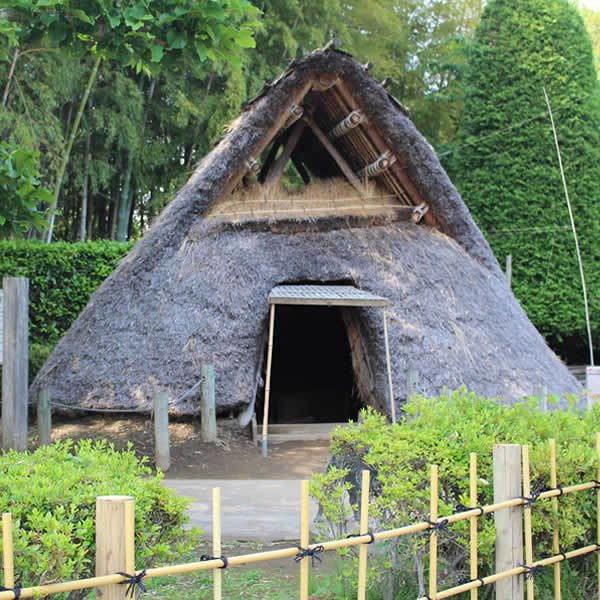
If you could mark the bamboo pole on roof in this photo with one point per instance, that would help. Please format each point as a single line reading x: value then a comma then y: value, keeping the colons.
x: 364, y: 528
x: 217, y: 551
x: 304, y: 525
x: 473, y: 520
x: 7, y: 551
x: 554, y: 504
x: 433, y: 517
x: 527, y: 517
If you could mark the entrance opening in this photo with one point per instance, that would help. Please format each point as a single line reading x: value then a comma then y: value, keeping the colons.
x: 312, y: 378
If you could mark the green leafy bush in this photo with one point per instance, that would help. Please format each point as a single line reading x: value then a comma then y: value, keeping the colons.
x: 51, y: 494
x: 444, y: 431
x: 62, y: 277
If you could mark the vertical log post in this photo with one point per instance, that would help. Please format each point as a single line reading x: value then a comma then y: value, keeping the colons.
x: 412, y: 383
x: 389, y: 367
x: 44, y: 418
x: 509, y: 523
x: 162, y: 449
x: 265, y: 423
x: 207, y: 404
x: 15, y: 382
x: 364, y: 529
x: 115, y: 522
x: 7, y: 551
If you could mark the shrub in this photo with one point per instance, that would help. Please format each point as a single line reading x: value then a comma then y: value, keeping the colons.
x: 51, y: 494
x: 444, y: 431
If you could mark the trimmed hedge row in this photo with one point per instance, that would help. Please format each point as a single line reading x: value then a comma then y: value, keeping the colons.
x: 62, y: 276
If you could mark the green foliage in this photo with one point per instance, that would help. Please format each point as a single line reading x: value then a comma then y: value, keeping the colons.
x: 21, y: 192
x: 61, y: 279
x: 510, y: 178
x: 444, y: 431
x: 592, y: 23
x: 51, y: 494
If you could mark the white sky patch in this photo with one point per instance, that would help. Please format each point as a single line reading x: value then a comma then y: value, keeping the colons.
x: 593, y: 4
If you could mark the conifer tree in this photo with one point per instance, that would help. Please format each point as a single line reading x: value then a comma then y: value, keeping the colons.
x: 505, y: 163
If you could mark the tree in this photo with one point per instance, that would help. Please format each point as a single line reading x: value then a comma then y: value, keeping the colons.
x: 506, y: 166
x: 592, y: 23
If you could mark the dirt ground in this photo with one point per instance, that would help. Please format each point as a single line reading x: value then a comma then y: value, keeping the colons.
x: 234, y: 456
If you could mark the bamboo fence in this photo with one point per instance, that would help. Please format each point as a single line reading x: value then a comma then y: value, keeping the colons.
x: 307, y: 551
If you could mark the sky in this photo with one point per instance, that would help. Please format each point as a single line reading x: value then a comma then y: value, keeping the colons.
x: 593, y: 4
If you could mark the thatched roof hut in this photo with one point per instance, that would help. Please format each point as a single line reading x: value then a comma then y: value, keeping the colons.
x: 377, y: 212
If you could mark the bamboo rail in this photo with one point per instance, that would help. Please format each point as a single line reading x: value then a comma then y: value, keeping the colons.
x: 365, y: 537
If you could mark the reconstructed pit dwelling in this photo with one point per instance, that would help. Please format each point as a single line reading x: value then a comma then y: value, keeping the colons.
x: 376, y: 212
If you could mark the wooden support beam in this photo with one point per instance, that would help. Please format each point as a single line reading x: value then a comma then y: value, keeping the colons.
x: 301, y: 170
x: 339, y: 159
x: 275, y: 174
x: 270, y: 159
x: 382, y: 147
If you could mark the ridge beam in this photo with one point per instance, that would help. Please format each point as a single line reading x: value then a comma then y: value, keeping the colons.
x: 339, y: 159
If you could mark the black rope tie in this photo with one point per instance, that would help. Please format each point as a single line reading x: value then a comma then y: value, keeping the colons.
x: 369, y: 533
x: 466, y: 580
x: 597, y: 486
x: 560, y: 489
x: 133, y: 581
x: 529, y: 500
x: 222, y: 558
x: 16, y: 591
x: 531, y: 572
x: 312, y: 552
x: 562, y: 555
x: 437, y: 526
x: 463, y: 508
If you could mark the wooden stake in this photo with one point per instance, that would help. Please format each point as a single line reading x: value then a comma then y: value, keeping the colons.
x: 389, y: 368
x: 508, y: 273
x: 115, y: 522
x: 162, y: 449
x: 268, y: 379
x: 208, y: 404
x: 304, y: 524
x: 217, y: 580
x: 364, y: 529
x: 44, y: 417
x: 473, y: 520
x: 554, y: 504
x: 7, y: 551
x: 433, y: 517
x: 527, y: 515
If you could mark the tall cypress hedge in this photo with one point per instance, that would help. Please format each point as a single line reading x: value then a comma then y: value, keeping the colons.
x: 505, y: 162
x: 62, y: 277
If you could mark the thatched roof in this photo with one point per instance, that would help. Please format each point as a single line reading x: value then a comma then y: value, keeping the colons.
x: 194, y: 289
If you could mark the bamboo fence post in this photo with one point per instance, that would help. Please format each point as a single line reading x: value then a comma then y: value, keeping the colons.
x: 217, y: 579
x: 7, y: 551
x: 268, y: 380
x: 433, y: 515
x: 473, y: 520
x: 44, y: 417
x: 364, y: 529
x: 304, y: 563
x: 527, y: 515
x: 115, y: 523
x: 508, y: 521
x: 554, y: 504
x: 598, y: 510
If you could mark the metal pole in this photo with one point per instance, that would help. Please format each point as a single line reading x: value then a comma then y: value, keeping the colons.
x: 389, y: 368
x: 268, y: 379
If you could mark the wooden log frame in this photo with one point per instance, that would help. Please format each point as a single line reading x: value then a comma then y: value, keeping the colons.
x: 339, y: 159
x: 277, y: 170
x: 345, y: 93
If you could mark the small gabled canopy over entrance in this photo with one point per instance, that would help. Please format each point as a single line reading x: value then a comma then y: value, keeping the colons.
x: 320, y: 295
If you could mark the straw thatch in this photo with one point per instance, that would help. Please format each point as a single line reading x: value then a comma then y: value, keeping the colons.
x: 194, y: 289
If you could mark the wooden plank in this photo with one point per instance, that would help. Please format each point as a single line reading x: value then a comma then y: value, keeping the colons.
x: 15, y: 384
x: 508, y: 521
x: 275, y: 174
x: 115, y: 524
x: 44, y: 417
x: 208, y: 404
x: 162, y: 448
x: 339, y: 159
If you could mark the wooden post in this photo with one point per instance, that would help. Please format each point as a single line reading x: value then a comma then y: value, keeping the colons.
x: 554, y: 504
x: 268, y: 380
x: 598, y: 507
x: 115, y: 522
x: 217, y: 551
x: 473, y: 520
x: 509, y: 523
x: 389, y: 367
x: 162, y: 449
x: 527, y: 514
x: 15, y: 382
x: 433, y: 538
x: 7, y: 551
x: 509, y: 269
x: 364, y: 529
x: 44, y: 418
x: 412, y: 383
x: 304, y: 526
x: 207, y: 404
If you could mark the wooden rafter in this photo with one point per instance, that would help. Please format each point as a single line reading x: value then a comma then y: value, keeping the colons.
x: 280, y: 163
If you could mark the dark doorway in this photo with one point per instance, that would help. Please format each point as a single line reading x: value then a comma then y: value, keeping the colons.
x: 312, y: 380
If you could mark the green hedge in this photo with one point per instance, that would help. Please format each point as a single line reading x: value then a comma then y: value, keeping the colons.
x: 62, y: 277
